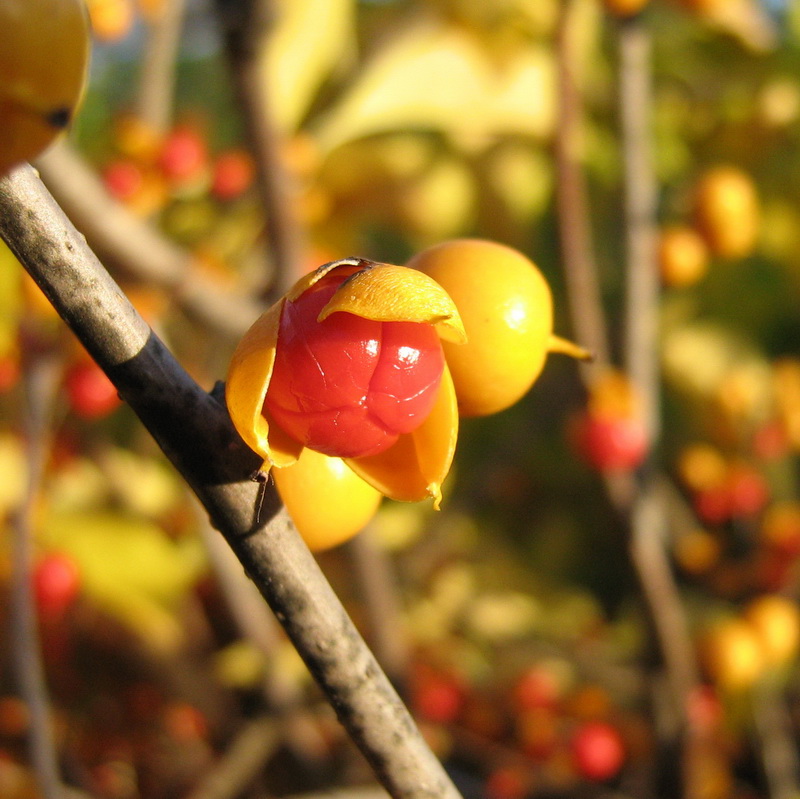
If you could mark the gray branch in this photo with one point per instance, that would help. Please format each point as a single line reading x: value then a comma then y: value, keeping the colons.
x: 193, y: 429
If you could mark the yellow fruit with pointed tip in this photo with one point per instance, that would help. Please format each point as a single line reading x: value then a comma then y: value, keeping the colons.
x: 507, y: 310
x: 44, y: 56
x: 327, y: 501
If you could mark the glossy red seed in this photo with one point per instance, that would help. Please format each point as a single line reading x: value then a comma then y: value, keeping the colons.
x: 349, y: 386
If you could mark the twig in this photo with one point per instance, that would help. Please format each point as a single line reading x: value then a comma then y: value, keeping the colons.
x: 251, y: 748
x: 777, y: 746
x: 648, y: 510
x: 194, y: 431
x: 40, y: 382
x: 577, y: 251
x: 373, y: 570
x: 137, y: 247
x: 245, y: 24
x: 154, y: 104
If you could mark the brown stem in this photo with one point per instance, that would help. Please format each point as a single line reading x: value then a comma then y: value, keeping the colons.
x: 649, y: 503
x: 154, y: 104
x: 245, y: 24
x: 577, y: 250
x: 40, y: 381
x: 194, y: 431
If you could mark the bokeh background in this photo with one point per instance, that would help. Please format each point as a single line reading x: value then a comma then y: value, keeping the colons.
x: 551, y: 640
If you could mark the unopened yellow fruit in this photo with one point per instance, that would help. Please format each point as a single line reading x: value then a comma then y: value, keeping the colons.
x: 682, y: 256
x: 776, y: 620
x: 44, y: 55
x: 327, y: 501
x: 732, y: 654
x: 507, y: 310
x: 727, y: 211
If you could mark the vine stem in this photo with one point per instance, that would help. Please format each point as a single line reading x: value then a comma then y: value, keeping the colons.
x: 154, y: 101
x: 246, y: 25
x: 40, y: 383
x: 648, y: 501
x: 577, y: 250
x: 194, y: 430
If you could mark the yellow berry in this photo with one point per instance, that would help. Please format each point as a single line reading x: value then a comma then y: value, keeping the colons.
x: 326, y: 500
x: 44, y: 55
x: 732, y: 654
x: 507, y: 310
x: 727, y: 211
x: 776, y: 621
x: 682, y: 255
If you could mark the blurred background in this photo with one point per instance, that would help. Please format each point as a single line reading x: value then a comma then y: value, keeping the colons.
x: 606, y: 604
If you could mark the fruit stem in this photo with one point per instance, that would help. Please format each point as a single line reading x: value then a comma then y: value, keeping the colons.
x: 566, y: 347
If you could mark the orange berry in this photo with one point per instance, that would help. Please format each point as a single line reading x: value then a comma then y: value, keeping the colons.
x: 682, y: 256
x: 326, y: 500
x: 727, y: 211
x: 507, y: 310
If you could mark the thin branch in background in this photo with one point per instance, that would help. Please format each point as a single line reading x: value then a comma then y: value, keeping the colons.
x: 244, y: 759
x: 577, y: 249
x: 155, y: 97
x: 641, y: 345
x: 375, y: 575
x: 246, y: 25
x: 776, y: 741
x: 648, y: 510
x: 137, y: 247
x: 41, y: 379
x: 195, y: 432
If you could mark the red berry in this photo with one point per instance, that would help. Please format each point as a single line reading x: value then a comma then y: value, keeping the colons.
x: 597, y: 750
x: 748, y: 491
x: 506, y: 783
x: 183, y: 155
x: 56, y: 583
x: 91, y: 394
x: 123, y: 179
x: 9, y: 372
x: 349, y: 386
x: 233, y: 174
x: 436, y: 697
x: 610, y: 443
x: 537, y: 687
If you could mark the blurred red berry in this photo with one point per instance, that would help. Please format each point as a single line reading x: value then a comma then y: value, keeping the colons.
x: 56, y: 583
x: 9, y: 372
x: 436, y: 696
x: 749, y: 492
x: 184, y: 155
x: 597, y: 751
x: 91, y: 394
x: 233, y: 174
x: 506, y: 783
x: 536, y: 687
x: 611, y: 443
x: 123, y: 179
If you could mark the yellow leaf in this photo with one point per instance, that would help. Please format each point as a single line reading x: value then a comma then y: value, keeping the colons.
x: 432, y: 76
x: 129, y: 567
x: 308, y: 40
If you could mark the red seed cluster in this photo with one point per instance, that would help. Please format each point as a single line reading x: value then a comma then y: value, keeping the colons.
x: 349, y: 386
